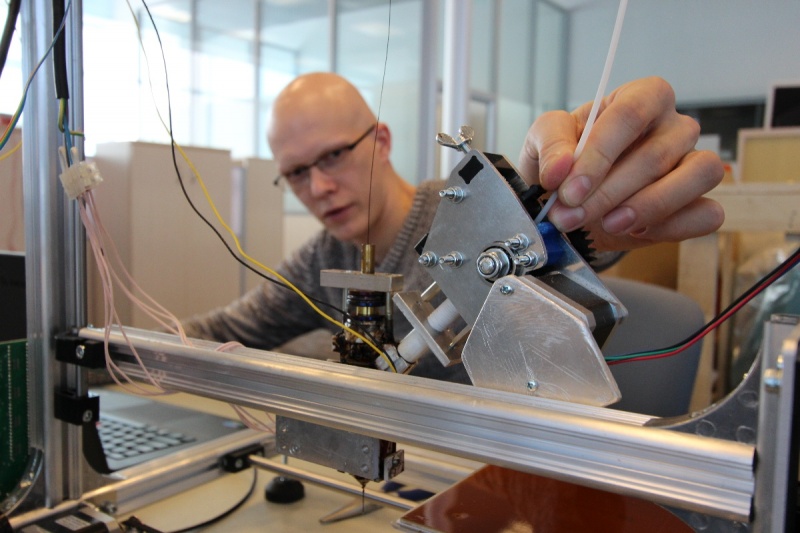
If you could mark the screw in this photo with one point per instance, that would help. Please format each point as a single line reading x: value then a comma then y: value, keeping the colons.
x: 365, y: 468
x: 520, y: 241
x: 428, y: 259
x: 533, y: 385
x: 87, y: 416
x: 529, y: 259
x: 80, y: 351
x: 465, y: 136
x: 454, y: 194
x: 453, y: 259
x: 506, y: 290
x: 365, y: 449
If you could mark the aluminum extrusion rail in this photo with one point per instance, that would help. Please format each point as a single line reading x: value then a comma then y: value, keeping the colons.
x: 148, y: 482
x: 595, y: 447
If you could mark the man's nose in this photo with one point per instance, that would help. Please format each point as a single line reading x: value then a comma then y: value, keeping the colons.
x: 320, y: 183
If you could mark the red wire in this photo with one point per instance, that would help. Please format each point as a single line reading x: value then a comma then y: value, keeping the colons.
x: 716, y: 322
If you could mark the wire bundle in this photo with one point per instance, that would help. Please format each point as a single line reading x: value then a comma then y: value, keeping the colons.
x: 107, y: 265
x: 737, y: 304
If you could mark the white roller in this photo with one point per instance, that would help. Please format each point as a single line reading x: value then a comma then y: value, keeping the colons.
x: 413, y: 346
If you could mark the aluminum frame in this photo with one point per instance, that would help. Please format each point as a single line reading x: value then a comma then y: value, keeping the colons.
x: 604, y: 449
x: 54, y: 244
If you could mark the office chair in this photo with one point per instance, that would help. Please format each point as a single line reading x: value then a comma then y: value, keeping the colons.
x: 657, y: 318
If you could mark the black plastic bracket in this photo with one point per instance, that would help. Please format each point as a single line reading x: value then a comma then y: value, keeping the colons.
x: 76, y: 410
x: 239, y: 460
x: 83, y: 411
x: 77, y: 351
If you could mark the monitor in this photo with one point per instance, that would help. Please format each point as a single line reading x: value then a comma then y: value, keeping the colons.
x: 783, y: 105
x: 12, y: 296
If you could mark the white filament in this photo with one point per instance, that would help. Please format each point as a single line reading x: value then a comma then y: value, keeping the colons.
x: 601, y: 89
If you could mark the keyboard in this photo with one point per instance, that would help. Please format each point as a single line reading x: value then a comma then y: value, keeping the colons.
x: 126, y: 439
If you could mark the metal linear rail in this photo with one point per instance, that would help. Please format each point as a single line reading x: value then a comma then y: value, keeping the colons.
x: 340, y: 486
x: 141, y: 485
x: 595, y: 447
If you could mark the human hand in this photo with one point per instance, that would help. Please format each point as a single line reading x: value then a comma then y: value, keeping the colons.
x: 638, y: 180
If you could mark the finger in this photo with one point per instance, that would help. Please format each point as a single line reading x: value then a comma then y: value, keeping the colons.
x: 697, y: 173
x: 546, y: 155
x: 628, y: 114
x: 701, y: 217
x: 644, y: 163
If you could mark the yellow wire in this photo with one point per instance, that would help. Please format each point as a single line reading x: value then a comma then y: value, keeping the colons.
x: 8, y: 154
x: 266, y: 268
x: 233, y: 234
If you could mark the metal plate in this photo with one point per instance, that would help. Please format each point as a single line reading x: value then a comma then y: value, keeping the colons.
x: 352, y: 453
x: 490, y: 211
x: 530, y: 339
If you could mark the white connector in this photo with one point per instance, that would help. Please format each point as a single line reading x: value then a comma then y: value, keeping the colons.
x: 80, y: 177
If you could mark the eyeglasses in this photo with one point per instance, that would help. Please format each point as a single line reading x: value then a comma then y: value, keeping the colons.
x: 298, y: 177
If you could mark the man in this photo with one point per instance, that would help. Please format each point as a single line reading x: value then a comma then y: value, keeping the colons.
x: 637, y: 182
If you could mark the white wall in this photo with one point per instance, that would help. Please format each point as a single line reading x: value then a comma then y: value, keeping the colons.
x: 709, y: 50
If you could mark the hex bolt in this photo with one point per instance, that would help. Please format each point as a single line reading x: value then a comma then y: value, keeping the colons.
x: 493, y: 264
x: 506, y: 290
x: 453, y: 259
x: 487, y: 265
x: 533, y: 385
x: 454, y: 194
x: 530, y: 259
x: 80, y: 351
x: 520, y: 241
x: 428, y: 259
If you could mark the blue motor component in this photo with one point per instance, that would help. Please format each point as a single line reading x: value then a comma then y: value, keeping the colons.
x: 553, y: 243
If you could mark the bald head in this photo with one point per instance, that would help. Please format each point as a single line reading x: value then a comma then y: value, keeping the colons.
x: 325, y: 136
x: 317, y: 100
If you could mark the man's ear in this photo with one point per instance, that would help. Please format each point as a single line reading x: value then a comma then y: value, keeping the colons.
x: 383, y: 146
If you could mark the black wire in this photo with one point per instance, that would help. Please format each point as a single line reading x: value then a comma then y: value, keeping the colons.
x: 229, y: 511
x: 378, y: 120
x: 60, y: 52
x: 186, y: 193
x: 756, y: 287
x: 202, y: 217
x: 8, y: 31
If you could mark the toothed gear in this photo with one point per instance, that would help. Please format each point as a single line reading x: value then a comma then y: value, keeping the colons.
x: 579, y: 239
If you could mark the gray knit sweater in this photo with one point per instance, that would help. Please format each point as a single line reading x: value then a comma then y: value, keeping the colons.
x: 269, y: 316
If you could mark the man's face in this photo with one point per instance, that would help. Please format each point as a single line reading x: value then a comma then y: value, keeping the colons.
x: 328, y: 169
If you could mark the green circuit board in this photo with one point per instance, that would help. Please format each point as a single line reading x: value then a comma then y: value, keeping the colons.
x: 13, y: 414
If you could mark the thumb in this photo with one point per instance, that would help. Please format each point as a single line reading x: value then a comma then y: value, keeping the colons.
x: 546, y: 155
